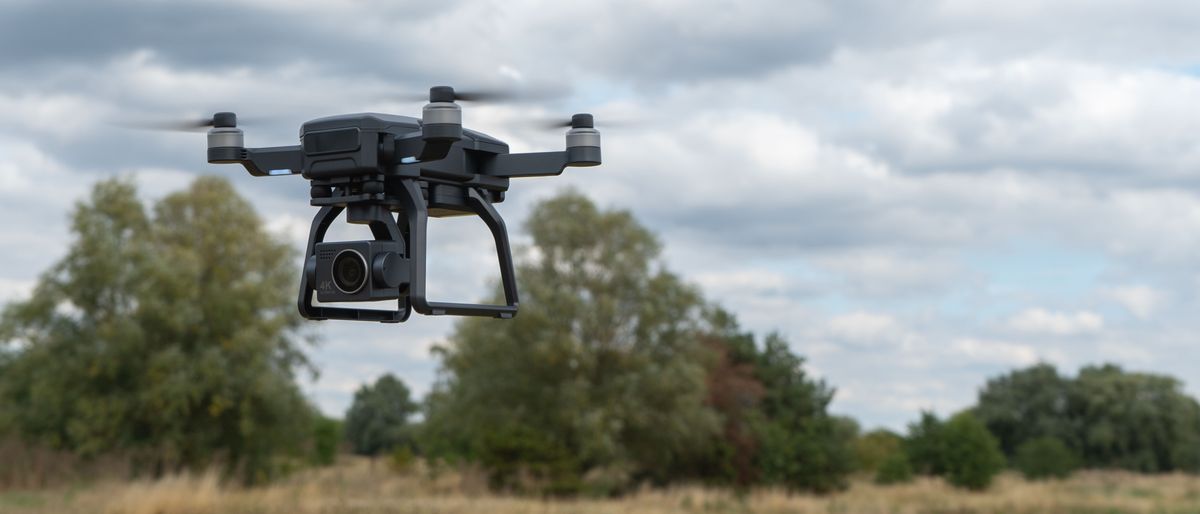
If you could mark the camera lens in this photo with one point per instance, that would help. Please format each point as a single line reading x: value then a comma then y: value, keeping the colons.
x: 349, y: 271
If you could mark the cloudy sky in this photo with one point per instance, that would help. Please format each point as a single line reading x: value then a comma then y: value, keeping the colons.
x: 918, y: 194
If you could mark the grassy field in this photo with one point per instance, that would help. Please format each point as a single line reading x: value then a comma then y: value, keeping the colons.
x: 357, y: 486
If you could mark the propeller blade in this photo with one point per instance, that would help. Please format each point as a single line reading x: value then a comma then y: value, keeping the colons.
x: 225, y: 119
x: 193, y: 125
x: 557, y: 123
x: 489, y: 95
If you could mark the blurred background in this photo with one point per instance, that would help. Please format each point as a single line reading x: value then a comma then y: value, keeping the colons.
x: 916, y: 196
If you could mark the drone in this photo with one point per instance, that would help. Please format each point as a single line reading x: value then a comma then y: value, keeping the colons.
x: 392, y: 173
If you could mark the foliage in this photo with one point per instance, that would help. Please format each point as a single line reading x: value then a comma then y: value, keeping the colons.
x: 925, y: 445
x: 1106, y: 416
x: 874, y: 448
x: 326, y: 434
x: 1135, y: 421
x: 377, y: 420
x: 895, y: 469
x: 401, y: 460
x: 960, y: 449
x: 1045, y: 457
x: 972, y: 456
x: 167, y: 335
x: 602, y: 366
x: 1026, y: 404
x: 616, y: 372
x: 734, y: 392
x: 803, y: 447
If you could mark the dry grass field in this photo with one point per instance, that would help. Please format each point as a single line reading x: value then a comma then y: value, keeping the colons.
x: 355, y: 486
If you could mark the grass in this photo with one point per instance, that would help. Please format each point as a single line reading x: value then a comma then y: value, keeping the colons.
x: 357, y: 486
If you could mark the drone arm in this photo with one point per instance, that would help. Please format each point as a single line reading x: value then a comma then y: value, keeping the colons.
x: 537, y: 164
x: 278, y: 160
x: 260, y: 162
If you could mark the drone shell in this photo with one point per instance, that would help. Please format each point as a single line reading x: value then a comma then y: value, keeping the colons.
x: 352, y: 144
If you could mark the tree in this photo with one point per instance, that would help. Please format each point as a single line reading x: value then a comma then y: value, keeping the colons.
x: 326, y: 433
x: 616, y: 372
x: 1105, y: 415
x: 602, y: 371
x: 777, y: 428
x: 972, y: 456
x: 1135, y: 421
x: 1026, y: 404
x: 802, y: 446
x: 895, y: 469
x: 377, y: 420
x: 170, y: 336
x: 926, y: 445
x: 1045, y: 457
x: 734, y: 392
x: 876, y: 447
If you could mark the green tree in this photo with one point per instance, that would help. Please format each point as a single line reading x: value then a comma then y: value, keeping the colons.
x: 874, y: 448
x: 326, y: 434
x: 802, y: 446
x: 972, y: 456
x: 1026, y: 404
x: 926, y: 445
x: 777, y: 428
x: 377, y: 420
x: 601, y: 372
x: 1045, y: 457
x: 1105, y: 415
x: 1135, y: 421
x: 167, y: 335
x: 895, y: 469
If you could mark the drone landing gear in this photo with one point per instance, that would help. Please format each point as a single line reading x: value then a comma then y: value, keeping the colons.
x: 384, y: 227
x: 465, y: 199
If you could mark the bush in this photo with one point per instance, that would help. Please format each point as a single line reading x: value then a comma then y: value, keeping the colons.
x: 972, y: 455
x: 873, y: 449
x: 895, y: 469
x: 326, y: 434
x: 1045, y: 457
x: 522, y: 459
x: 925, y: 445
x: 401, y: 460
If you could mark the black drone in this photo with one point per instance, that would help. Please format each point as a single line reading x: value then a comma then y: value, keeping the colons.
x: 392, y: 173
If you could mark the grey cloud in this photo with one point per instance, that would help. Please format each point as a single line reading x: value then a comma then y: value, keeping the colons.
x: 37, y: 36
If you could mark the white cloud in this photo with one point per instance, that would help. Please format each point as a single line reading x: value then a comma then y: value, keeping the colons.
x: 1042, y: 321
x: 995, y: 352
x: 1140, y: 300
x: 15, y: 289
x: 865, y: 327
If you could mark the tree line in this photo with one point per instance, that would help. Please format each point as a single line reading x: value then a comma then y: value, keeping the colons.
x: 168, y: 334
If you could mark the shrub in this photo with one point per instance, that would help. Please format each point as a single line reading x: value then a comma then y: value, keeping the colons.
x: 326, y: 434
x: 1045, y: 457
x: 873, y: 449
x: 895, y: 469
x: 972, y: 455
x: 401, y: 460
x: 925, y: 445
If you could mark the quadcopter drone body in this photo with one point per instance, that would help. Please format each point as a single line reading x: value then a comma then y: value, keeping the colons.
x: 392, y: 173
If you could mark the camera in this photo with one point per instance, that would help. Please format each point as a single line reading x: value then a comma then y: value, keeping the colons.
x: 358, y: 271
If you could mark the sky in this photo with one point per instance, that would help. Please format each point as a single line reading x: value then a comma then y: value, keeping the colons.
x: 918, y: 195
